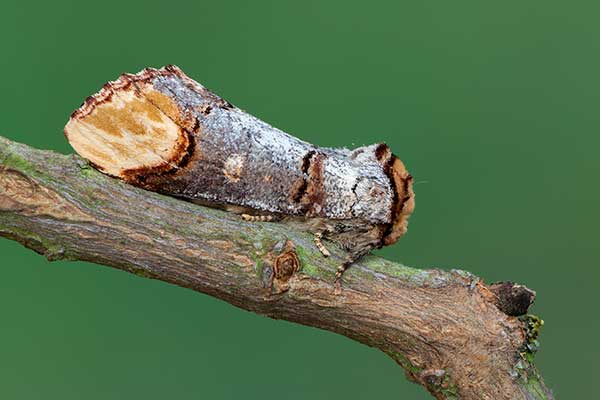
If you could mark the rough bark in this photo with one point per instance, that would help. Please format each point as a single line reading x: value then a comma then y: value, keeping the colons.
x: 447, y: 329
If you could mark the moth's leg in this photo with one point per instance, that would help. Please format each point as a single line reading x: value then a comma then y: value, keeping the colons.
x: 352, y: 258
x: 247, y: 214
x: 259, y: 218
x: 341, y: 269
x: 320, y: 245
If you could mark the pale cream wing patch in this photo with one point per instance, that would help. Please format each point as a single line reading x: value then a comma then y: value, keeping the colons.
x: 119, y: 130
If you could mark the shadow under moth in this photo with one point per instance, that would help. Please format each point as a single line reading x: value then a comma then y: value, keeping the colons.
x: 164, y: 132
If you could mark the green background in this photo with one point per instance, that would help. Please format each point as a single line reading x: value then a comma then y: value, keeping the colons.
x: 492, y: 105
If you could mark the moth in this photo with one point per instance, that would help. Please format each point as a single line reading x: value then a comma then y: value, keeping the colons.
x: 162, y: 131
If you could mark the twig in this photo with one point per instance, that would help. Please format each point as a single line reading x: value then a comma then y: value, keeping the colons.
x: 447, y: 329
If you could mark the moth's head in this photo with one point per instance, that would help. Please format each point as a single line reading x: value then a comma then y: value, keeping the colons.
x: 402, y: 201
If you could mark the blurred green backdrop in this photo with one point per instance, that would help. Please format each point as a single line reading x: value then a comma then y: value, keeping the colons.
x: 492, y: 105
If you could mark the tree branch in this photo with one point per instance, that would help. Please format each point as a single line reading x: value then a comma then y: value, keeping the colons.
x: 449, y: 331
